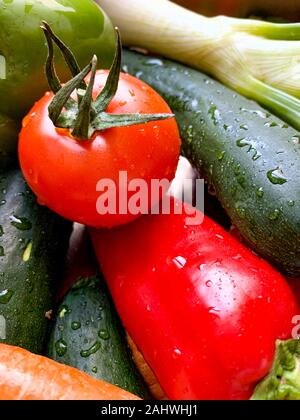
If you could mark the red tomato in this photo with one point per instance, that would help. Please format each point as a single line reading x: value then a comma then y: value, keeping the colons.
x: 63, y: 172
x: 202, y: 308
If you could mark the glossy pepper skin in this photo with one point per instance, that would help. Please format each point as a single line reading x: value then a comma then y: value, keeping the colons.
x: 80, y: 24
x: 203, y: 309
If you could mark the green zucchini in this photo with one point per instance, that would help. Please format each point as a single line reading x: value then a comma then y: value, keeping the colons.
x: 248, y: 157
x: 33, y: 244
x: 87, y: 334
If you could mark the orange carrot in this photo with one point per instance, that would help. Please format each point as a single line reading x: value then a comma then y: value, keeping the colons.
x: 25, y: 376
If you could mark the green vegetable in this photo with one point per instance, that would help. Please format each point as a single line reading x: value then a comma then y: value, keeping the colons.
x: 33, y: 244
x: 250, y: 158
x: 258, y: 59
x: 9, y: 130
x: 283, y: 382
x: 87, y: 334
x: 81, y: 24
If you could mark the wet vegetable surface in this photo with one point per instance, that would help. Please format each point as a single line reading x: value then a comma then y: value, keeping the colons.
x: 249, y: 157
x: 33, y: 244
x: 87, y: 334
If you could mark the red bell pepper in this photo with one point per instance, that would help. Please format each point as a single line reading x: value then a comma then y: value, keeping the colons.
x: 203, y: 309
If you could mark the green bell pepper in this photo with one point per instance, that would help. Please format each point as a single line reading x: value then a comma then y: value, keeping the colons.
x: 80, y: 24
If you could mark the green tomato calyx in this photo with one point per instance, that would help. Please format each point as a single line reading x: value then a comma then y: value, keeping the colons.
x: 86, y: 116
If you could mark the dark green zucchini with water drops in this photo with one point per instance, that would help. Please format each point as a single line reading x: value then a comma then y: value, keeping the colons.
x: 249, y: 157
x: 87, y: 334
x: 33, y: 245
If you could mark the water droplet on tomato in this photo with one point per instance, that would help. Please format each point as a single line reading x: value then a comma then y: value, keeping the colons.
x: 177, y: 353
x: 179, y: 262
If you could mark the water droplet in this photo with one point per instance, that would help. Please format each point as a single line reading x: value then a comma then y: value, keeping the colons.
x: 64, y: 311
x: 156, y: 130
x: 296, y: 139
x: 177, y: 353
x: 221, y: 155
x: 2, y: 202
x: 104, y: 334
x: 61, y: 347
x: 75, y: 325
x: 154, y: 62
x: 122, y: 103
x: 215, y: 114
x: 213, y: 311
x: 132, y: 93
x: 95, y: 369
x: 27, y: 252
x: 20, y: 223
x: 179, y: 262
x: 274, y: 215
x: 242, y: 142
x: 92, y: 350
x: 291, y: 203
x: 6, y: 295
x: 271, y: 124
x: 257, y: 112
x: 276, y: 176
x: 208, y: 283
x: 244, y: 127
x: 260, y: 192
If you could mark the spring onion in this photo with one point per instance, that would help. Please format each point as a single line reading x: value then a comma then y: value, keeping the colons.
x: 260, y: 60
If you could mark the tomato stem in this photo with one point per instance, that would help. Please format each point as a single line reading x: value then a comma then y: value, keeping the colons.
x: 63, y: 95
x: 111, y: 85
x: 52, y: 77
x: 82, y: 123
x: 86, y: 116
x: 66, y: 52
